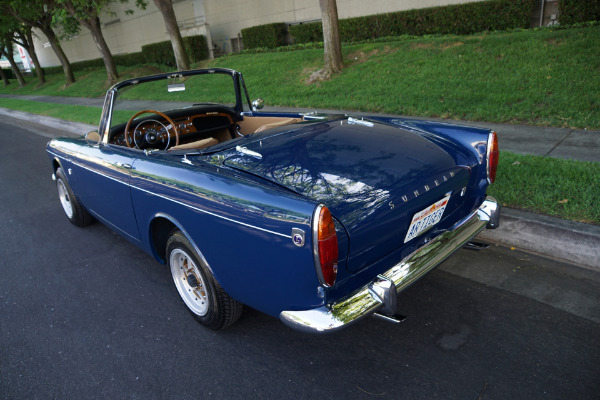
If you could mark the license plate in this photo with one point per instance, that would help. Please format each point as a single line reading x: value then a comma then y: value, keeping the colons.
x: 426, y: 218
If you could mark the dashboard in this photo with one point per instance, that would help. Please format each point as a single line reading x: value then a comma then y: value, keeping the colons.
x: 154, y: 131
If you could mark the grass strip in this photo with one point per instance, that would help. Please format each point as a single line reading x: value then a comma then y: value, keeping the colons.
x: 83, y: 114
x: 562, y: 188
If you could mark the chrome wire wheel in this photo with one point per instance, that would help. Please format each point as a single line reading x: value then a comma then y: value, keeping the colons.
x: 65, y: 200
x: 189, y: 281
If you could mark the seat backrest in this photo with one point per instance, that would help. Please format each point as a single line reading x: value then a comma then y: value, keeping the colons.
x: 198, y: 144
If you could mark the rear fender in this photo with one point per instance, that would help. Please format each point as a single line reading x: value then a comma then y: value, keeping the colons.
x: 468, y: 145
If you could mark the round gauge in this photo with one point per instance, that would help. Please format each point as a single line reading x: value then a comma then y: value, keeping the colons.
x: 151, y: 135
x: 181, y: 126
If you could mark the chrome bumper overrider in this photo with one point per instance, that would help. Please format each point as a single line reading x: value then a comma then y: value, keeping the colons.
x: 380, y: 294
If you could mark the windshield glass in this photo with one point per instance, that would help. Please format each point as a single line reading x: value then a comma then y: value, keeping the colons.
x: 192, y: 108
x: 173, y: 94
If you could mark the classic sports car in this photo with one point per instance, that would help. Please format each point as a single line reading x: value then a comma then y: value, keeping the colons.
x: 320, y: 220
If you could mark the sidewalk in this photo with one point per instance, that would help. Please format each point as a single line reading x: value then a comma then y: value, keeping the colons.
x: 573, y: 242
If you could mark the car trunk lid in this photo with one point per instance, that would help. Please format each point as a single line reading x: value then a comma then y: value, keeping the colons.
x: 373, y: 177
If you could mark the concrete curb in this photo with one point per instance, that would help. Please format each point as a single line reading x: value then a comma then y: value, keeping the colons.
x: 572, y: 242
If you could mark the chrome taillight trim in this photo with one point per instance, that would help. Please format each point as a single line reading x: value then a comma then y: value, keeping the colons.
x: 490, y: 143
x: 315, y: 237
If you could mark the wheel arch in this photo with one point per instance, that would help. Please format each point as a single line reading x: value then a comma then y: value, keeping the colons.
x: 56, y: 164
x: 159, y: 231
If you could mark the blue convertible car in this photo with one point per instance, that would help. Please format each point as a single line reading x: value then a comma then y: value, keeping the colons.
x: 320, y: 220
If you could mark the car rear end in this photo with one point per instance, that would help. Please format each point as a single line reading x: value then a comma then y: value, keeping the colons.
x: 395, y: 199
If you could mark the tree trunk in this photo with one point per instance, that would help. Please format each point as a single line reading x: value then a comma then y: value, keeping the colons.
x: 27, y: 39
x: 64, y: 61
x: 4, y: 77
x: 181, y: 56
x: 331, y: 36
x: 13, y: 66
x: 93, y: 24
x: 44, y: 24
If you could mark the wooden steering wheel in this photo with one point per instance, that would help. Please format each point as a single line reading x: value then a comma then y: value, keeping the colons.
x: 169, y: 120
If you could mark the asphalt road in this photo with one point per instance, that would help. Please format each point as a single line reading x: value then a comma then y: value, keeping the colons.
x: 86, y: 315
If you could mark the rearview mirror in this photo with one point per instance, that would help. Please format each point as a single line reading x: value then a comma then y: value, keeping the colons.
x: 176, y: 87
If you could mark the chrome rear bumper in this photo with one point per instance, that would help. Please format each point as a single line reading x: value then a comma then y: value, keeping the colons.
x: 380, y: 294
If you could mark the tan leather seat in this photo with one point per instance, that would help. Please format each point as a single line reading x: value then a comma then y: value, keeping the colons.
x: 277, y: 123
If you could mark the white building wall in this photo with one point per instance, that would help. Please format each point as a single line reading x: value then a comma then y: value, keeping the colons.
x: 226, y: 18
x: 123, y: 33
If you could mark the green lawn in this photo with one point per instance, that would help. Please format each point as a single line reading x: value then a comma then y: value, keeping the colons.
x: 88, y: 115
x: 562, y: 188
x: 549, y: 78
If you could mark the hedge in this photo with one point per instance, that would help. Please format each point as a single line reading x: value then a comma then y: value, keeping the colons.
x: 269, y: 36
x: 9, y: 73
x: 77, y: 66
x: 159, y: 53
x: 155, y: 53
x: 574, y: 11
x: 458, y: 19
x: 162, y: 52
x: 128, y: 60
x: 306, y: 33
x: 196, y: 47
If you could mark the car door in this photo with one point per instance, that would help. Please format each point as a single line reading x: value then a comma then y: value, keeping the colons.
x: 103, y: 185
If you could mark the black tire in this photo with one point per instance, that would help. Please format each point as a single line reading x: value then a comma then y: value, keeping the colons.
x: 203, y: 296
x: 73, y: 209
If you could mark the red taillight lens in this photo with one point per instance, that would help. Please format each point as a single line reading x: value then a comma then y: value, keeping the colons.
x: 493, y: 156
x: 326, y: 247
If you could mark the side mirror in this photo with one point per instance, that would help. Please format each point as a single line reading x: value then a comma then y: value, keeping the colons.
x: 258, y: 104
x: 93, y: 138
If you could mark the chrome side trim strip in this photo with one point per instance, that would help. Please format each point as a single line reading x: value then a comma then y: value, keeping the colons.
x: 315, y: 241
x: 488, y: 151
x: 179, y: 202
x: 369, y: 299
x: 212, y: 214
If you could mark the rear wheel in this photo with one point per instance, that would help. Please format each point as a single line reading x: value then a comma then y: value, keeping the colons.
x: 76, y: 213
x: 199, y: 290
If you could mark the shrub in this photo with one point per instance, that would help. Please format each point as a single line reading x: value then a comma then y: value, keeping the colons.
x: 269, y: 36
x: 159, y: 53
x: 457, y: 19
x: 9, y: 73
x: 128, y: 60
x: 77, y: 66
x: 196, y: 47
x: 162, y: 52
x: 306, y: 32
x: 574, y: 11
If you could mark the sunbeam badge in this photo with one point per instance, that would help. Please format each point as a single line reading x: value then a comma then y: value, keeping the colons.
x: 298, y: 237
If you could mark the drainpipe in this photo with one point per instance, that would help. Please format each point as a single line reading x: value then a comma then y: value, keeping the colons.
x: 542, y: 13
